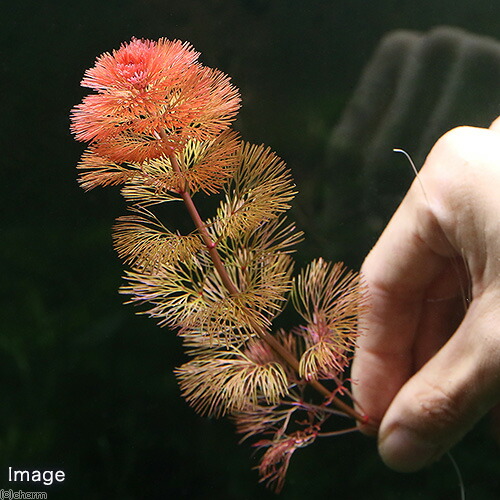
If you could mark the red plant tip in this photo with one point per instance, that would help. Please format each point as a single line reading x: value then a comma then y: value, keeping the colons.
x: 137, y: 64
x: 151, y: 97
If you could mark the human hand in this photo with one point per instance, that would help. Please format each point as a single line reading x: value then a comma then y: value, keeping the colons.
x: 426, y: 372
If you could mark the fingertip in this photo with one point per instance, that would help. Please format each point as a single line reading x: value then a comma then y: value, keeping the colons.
x: 495, y: 125
x: 405, y: 450
x: 422, y: 422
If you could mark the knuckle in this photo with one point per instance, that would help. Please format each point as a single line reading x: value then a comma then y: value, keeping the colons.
x: 455, y: 150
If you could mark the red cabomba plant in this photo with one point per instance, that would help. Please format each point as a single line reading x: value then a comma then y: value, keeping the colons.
x: 159, y: 125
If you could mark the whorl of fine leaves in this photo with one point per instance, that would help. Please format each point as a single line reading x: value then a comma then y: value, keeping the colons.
x: 190, y: 295
x: 203, y: 165
x: 226, y: 379
x: 261, y: 188
x: 207, y: 166
x: 142, y: 241
x: 97, y: 170
x: 146, y: 87
x: 329, y: 298
x: 270, y: 236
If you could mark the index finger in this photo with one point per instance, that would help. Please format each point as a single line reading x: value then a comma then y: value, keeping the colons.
x: 409, y: 257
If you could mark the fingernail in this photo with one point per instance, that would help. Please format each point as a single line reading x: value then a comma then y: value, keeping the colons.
x: 403, y: 450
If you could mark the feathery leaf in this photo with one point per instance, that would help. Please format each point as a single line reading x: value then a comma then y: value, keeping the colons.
x: 260, y: 189
x: 142, y: 241
x: 329, y: 298
x: 98, y: 170
x: 224, y: 380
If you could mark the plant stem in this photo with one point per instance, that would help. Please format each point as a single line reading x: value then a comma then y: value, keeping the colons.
x: 284, y: 353
x: 337, y: 433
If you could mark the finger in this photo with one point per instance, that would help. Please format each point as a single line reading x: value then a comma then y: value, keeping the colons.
x: 413, y: 251
x: 434, y: 330
x: 440, y: 403
x: 443, y: 310
x: 495, y: 125
x: 398, y: 272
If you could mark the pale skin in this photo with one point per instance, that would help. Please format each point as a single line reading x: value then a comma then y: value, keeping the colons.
x: 428, y: 364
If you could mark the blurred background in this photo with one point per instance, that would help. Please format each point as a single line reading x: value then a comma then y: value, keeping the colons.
x: 86, y: 385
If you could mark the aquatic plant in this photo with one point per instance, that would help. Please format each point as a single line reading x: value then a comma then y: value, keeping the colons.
x: 159, y: 124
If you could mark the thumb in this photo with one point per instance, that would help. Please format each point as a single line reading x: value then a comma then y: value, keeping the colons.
x: 495, y: 125
x: 444, y: 399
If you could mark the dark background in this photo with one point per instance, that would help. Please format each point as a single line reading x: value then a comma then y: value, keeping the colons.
x: 87, y: 386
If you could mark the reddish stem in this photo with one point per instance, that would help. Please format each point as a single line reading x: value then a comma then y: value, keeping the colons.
x: 284, y: 353
x: 337, y: 433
